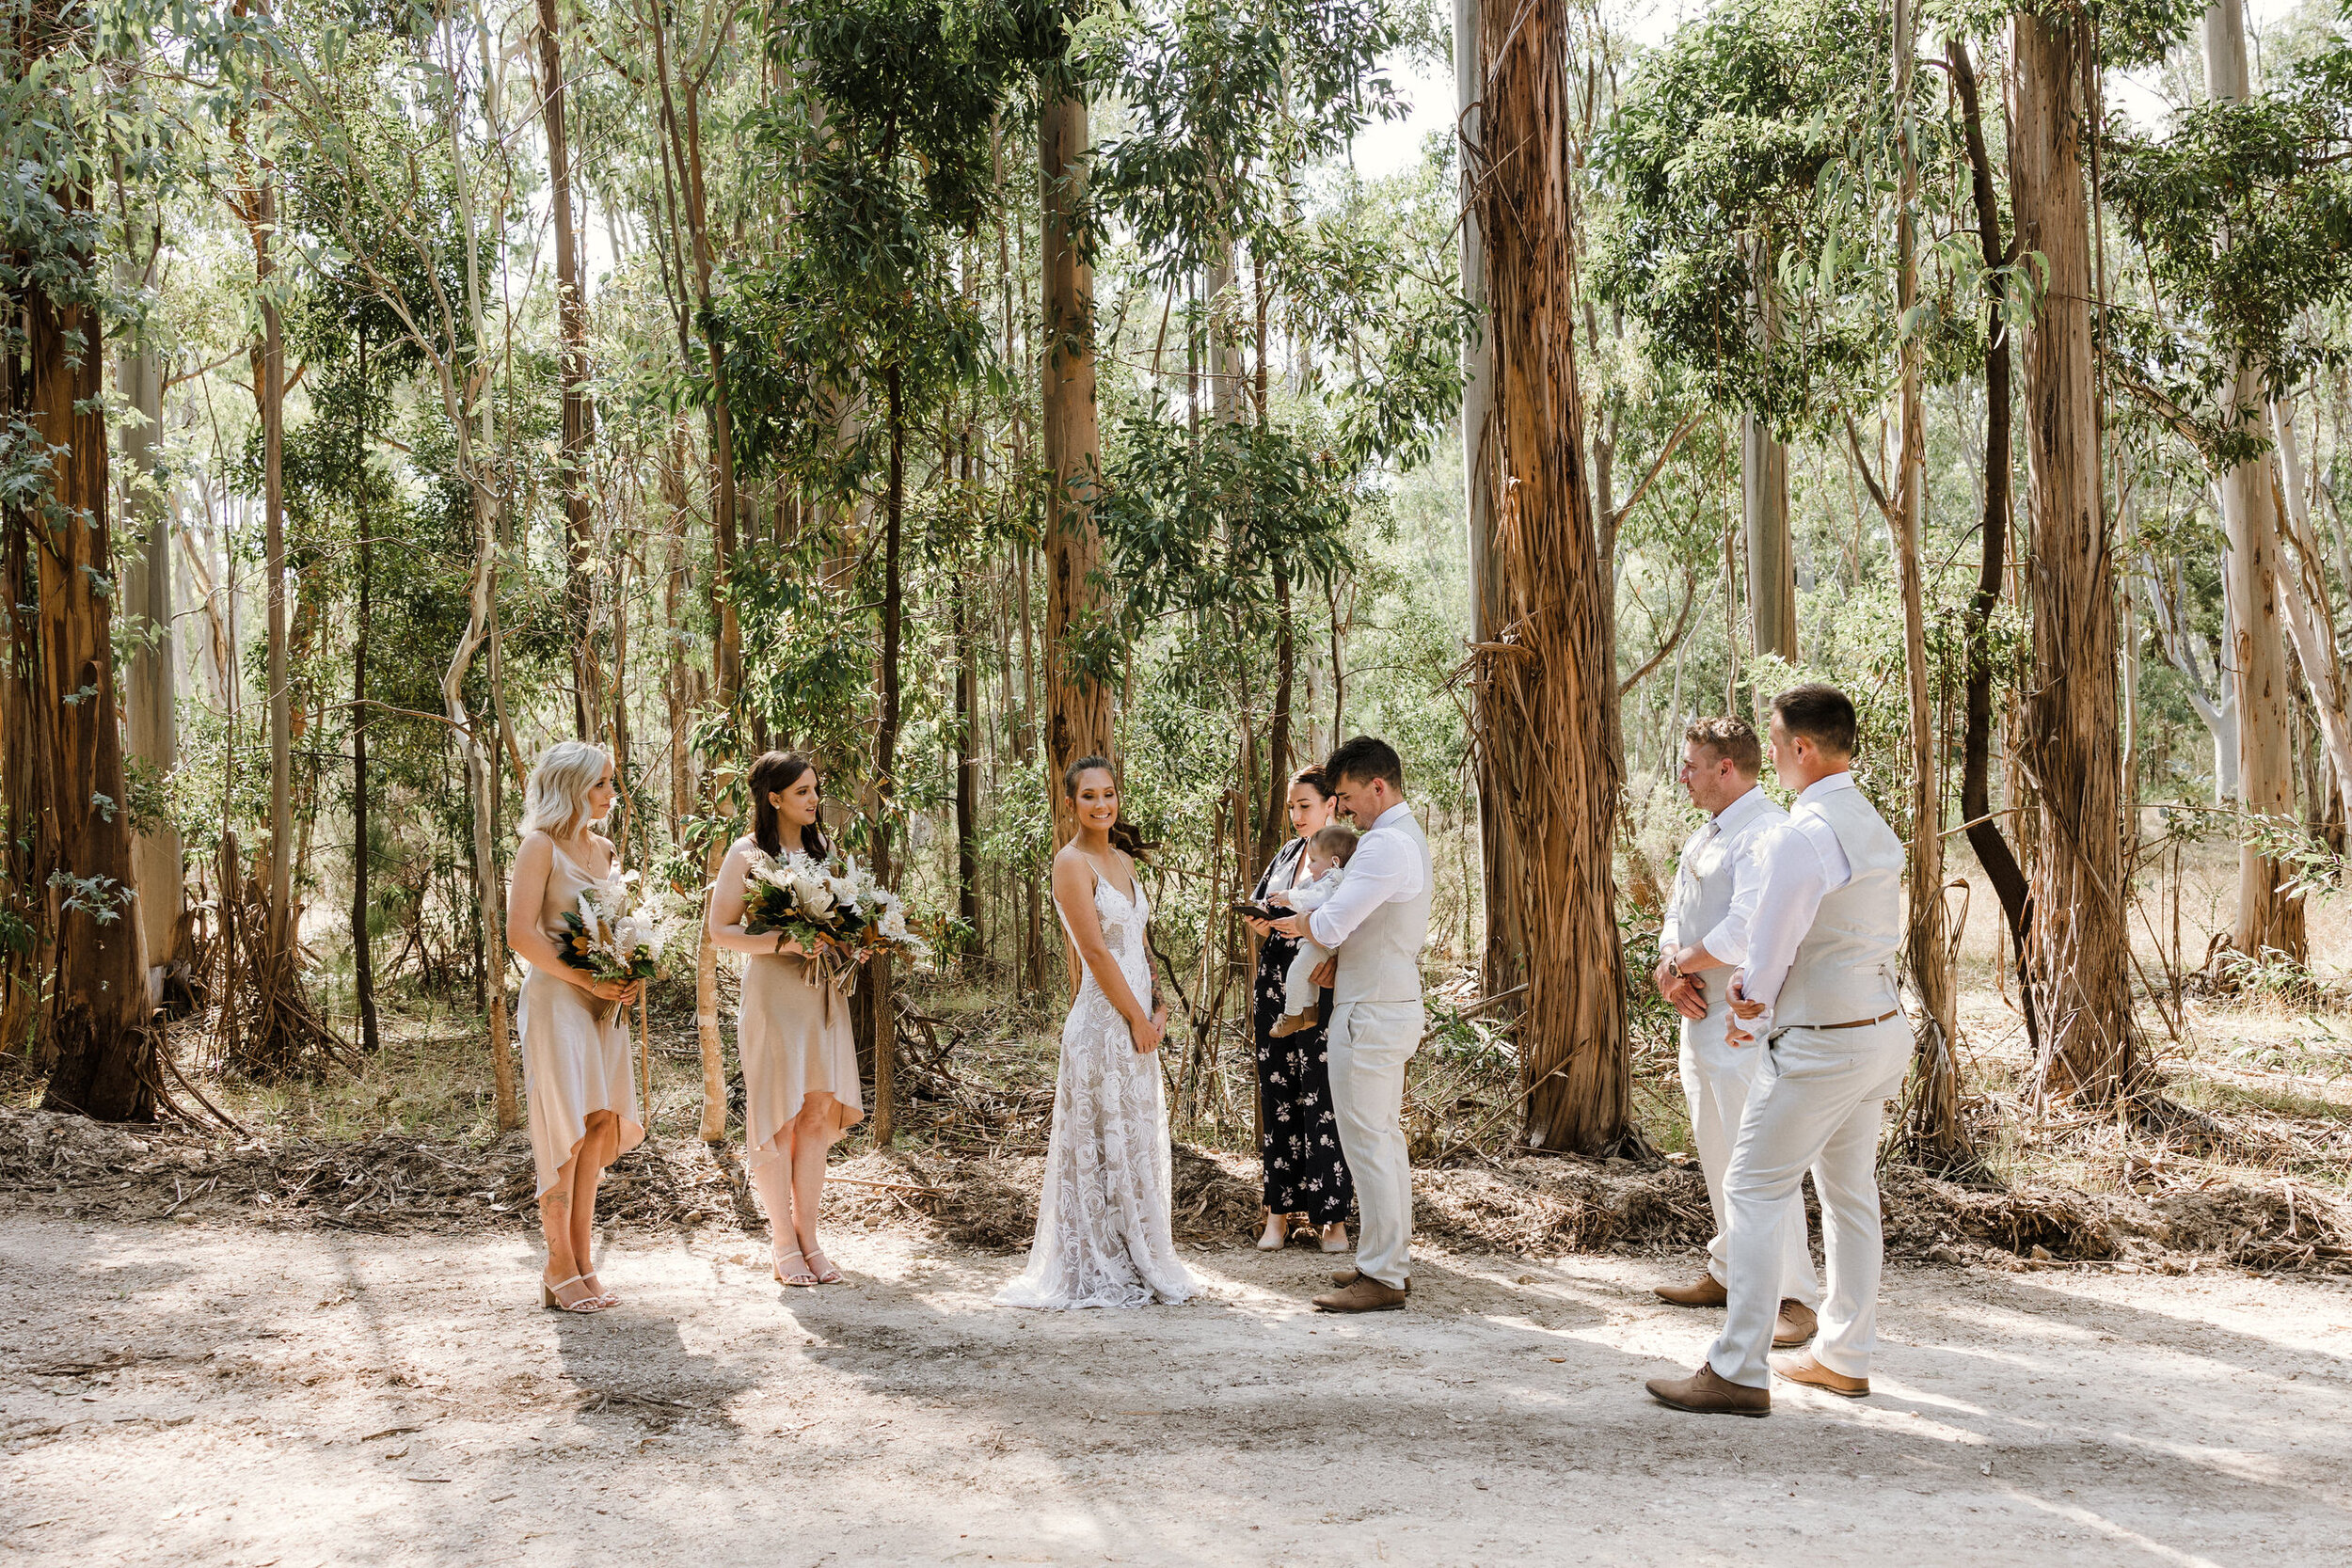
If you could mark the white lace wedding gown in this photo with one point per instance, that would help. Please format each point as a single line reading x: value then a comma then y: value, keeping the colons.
x: 1103, y: 1236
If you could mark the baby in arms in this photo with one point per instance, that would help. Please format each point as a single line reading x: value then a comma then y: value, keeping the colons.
x: 1326, y: 856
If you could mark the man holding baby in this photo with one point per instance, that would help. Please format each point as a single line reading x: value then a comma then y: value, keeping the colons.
x: 1372, y: 914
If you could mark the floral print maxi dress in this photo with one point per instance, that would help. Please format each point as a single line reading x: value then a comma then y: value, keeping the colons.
x: 1305, y: 1172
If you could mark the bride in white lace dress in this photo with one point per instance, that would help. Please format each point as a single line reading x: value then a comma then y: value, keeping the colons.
x: 1102, y: 1233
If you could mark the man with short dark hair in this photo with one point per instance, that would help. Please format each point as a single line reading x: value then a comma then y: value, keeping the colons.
x: 1375, y: 923
x: 1815, y: 993
x: 1705, y: 936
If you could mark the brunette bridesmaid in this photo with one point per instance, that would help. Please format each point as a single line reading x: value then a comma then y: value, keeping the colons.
x: 581, y: 1095
x: 792, y: 1032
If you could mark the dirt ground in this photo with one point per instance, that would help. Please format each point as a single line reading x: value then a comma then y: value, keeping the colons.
x: 232, y: 1394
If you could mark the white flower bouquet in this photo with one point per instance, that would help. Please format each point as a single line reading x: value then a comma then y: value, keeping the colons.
x: 614, y: 933
x: 832, y: 906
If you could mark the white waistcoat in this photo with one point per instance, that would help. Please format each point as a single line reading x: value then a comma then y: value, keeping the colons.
x: 1703, y: 886
x: 1380, y: 960
x: 1845, y: 967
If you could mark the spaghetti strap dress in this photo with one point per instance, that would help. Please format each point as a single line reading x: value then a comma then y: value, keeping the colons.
x: 793, y: 1033
x: 575, y: 1062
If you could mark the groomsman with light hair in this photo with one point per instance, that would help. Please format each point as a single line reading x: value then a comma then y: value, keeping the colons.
x: 1816, y: 996
x: 1705, y: 936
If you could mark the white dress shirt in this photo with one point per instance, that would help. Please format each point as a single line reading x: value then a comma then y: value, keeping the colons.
x: 1385, y: 870
x: 1802, y: 864
x: 1746, y: 823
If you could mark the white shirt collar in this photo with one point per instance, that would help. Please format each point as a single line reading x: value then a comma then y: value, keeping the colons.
x: 1829, y: 785
x: 1740, y: 809
x: 1395, y: 814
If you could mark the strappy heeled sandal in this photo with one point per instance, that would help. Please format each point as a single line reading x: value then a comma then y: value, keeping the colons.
x: 610, y: 1298
x: 554, y: 1303
x: 800, y: 1278
x: 826, y: 1273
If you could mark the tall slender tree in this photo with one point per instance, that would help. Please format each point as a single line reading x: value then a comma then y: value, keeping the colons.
x: 1077, y: 694
x: 2269, y: 918
x: 2071, y: 753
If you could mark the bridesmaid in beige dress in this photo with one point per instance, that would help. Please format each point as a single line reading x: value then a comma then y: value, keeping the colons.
x: 792, y: 1032
x: 574, y: 1026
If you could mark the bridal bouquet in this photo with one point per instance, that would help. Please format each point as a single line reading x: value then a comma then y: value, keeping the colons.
x: 612, y: 939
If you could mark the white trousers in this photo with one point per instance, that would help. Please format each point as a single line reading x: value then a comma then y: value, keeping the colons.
x: 1716, y: 1079
x: 1300, y: 994
x: 1818, y: 1096
x: 1368, y: 1045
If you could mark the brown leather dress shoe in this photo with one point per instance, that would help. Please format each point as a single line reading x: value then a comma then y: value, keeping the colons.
x: 1348, y: 1276
x: 1805, y: 1369
x: 1706, y: 1290
x: 1366, y: 1294
x: 1796, y: 1326
x: 1705, y: 1393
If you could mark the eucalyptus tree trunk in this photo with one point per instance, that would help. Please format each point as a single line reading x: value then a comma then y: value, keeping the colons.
x: 876, y: 985
x: 572, y: 321
x: 70, y: 836
x: 1542, y: 708
x: 1503, y: 963
x: 1935, y: 1122
x: 270, y: 377
x: 685, y: 153
x: 475, y: 450
x: 1078, y: 702
x: 151, y: 716
x: 1985, y: 836
x: 2269, y: 920
x: 362, y: 950
x: 2310, y: 611
x: 2082, y: 962
x: 965, y: 758
x: 1764, y: 498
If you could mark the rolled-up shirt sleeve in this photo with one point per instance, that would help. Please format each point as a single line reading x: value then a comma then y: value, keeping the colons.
x: 1384, y: 868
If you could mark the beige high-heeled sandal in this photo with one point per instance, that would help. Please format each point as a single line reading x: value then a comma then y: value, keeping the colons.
x: 549, y: 1300
x: 800, y: 1278
x: 826, y: 1274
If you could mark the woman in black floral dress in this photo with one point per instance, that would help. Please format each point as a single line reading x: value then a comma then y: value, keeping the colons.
x: 1305, y: 1175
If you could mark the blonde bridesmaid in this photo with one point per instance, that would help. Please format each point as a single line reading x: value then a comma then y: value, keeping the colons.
x: 575, y: 1034
x: 792, y: 1032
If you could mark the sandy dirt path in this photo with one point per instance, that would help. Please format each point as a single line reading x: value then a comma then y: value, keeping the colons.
x: 181, y: 1395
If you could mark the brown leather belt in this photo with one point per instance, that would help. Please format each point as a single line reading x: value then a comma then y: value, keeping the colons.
x: 1852, y: 1024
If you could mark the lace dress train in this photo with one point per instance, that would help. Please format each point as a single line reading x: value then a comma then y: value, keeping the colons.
x: 1103, y: 1227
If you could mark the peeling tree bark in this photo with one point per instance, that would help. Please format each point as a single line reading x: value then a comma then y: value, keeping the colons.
x: 1503, y: 964
x: 69, y: 838
x: 1541, y: 695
